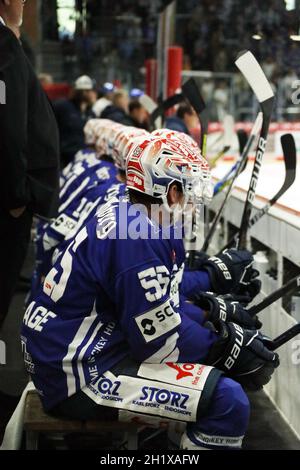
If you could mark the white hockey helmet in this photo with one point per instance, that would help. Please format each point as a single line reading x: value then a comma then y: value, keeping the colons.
x: 124, y: 139
x: 193, y: 148
x: 171, y: 134
x: 155, y: 163
x: 93, y: 128
x: 105, y: 136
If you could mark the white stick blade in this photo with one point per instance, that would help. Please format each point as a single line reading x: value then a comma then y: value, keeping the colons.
x: 148, y: 103
x: 228, y: 130
x: 255, y: 76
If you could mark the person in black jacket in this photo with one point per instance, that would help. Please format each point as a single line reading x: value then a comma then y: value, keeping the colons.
x: 184, y: 120
x: 118, y: 111
x: 72, y: 115
x: 29, y: 152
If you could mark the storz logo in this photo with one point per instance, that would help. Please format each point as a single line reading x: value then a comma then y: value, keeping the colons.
x: 164, y: 397
x: 2, y: 92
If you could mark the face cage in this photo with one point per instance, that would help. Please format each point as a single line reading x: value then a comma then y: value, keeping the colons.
x: 196, y: 192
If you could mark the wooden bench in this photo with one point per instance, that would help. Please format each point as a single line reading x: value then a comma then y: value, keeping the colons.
x: 36, y: 421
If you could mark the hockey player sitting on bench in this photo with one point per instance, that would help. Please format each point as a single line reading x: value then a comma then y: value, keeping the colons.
x: 109, y: 330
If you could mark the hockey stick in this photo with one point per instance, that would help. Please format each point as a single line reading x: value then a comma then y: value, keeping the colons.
x: 228, y: 138
x: 256, y: 78
x: 192, y: 94
x: 149, y: 104
x: 290, y: 162
x: 242, y: 138
x: 160, y: 110
x: 287, y: 288
x: 240, y: 166
x: 283, y: 338
x: 226, y: 180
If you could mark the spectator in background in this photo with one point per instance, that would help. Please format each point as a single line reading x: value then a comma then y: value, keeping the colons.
x: 138, y: 115
x: 288, y: 86
x: 105, y: 98
x: 45, y: 79
x: 72, y: 115
x: 184, y: 121
x: 118, y: 110
x: 29, y: 152
x: 221, y: 98
x: 269, y: 67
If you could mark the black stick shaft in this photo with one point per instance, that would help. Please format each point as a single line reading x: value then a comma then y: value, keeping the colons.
x: 284, y: 337
x: 290, y: 286
x: 219, y: 213
x: 267, y: 107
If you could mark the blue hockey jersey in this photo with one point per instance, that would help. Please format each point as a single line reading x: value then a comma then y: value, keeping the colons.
x: 113, y: 293
x: 51, y: 236
x: 81, y: 174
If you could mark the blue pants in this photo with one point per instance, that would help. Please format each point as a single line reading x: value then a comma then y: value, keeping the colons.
x: 226, y: 420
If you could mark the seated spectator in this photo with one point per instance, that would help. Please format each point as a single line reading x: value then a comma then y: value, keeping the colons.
x: 45, y: 79
x: 184, y: 121
x: 105, y: 97
x: 138, y: 114
x: 72, y: 115
x: 118, y: 110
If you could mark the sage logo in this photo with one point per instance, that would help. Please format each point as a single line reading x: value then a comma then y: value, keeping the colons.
x: 2, y: 92
x: 2, y: 353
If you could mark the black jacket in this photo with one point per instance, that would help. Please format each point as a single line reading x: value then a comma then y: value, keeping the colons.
x: 117, y: 114
x: 71, y: 122
x: 29, y: 148
x: 176, y: 124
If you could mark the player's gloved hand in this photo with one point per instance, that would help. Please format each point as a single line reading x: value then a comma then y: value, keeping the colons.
x: 227, y: 269
x: 242, y: 355
x: 218, y: 308
x: 250, y: 286
x: 198, y: 259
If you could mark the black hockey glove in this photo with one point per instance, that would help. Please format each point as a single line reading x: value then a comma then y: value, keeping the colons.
x: 227, y: 269
x: 242, y: 355
x: 198, y: 259
x: 227, y: 311
x: 249, y: 287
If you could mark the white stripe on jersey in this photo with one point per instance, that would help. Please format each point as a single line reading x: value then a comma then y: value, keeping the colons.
x: 67, y: 184
x: 72, y: 349
x: 168, y: 350
x: 173, y: 357
x: 81, y: 220
x: 82, y: 353
x: 49, y: 243
x: 74, y: 194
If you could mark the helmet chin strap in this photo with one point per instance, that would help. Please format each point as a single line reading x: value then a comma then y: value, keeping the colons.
x: 176, y: 210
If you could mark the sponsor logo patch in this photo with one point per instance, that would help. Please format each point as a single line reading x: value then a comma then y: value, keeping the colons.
x: 181, y: 374
x: 158, y: 321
